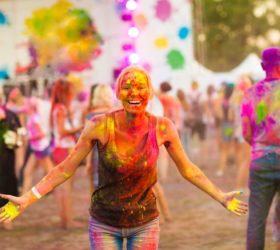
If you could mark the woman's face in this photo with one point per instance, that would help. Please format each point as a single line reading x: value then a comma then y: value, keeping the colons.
x: 134, y: 92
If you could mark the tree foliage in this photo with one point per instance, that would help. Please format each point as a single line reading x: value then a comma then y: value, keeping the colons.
x: 226, y: 31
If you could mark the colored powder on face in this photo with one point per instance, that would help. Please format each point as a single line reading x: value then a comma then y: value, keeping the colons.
x: 162, y: 127
x: 140, y: 77
x: 261, y: 111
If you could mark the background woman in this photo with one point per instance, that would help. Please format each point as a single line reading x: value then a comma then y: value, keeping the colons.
x: 64, y: 142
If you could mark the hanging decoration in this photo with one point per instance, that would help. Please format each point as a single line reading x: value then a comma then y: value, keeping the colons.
x: 183, y: 32
x: 161, y: 42
x: 63, y: 37
x: 140, y: 21
x: 126, y: 10
x: 3, y: 19
x: 163, y: 10
x: 175, y: 59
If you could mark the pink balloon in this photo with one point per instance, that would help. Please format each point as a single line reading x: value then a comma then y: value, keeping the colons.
x: 163, y: 10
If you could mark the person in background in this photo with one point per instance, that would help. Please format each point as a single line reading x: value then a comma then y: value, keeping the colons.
x: 39, y: 143
x: 172, y: 110
x: 9, y: 141
x: 241, y: 147
x: 128, y: 139
x: 260, y: 127
x: 196, y: 122
x: 102, y: 101
x: 212, y: 121
x: 185, y: 129
x: 17, y: 103
x: 226, y: 116
x: 64, y: 142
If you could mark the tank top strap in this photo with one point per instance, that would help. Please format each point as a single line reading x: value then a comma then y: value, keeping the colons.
x: 110, y: 126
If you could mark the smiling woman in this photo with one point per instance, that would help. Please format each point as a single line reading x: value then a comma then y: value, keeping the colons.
x: 123, y: 206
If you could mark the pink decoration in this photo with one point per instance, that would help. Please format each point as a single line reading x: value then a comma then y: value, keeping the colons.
x: 163, y: 10
x: 128, y: 46
x: 126, y: 17
x: 140, y: 21
x: 147, y: 66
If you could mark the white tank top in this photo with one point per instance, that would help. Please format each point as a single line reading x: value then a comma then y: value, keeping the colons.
x: 67, y: 141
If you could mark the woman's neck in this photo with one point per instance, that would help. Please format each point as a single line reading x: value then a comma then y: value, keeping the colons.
x: 132, y: 121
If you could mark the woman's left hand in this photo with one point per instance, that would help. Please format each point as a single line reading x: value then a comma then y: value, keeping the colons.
x: 234, y: 205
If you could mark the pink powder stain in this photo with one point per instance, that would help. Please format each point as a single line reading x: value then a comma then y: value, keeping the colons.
x: 163, y: 10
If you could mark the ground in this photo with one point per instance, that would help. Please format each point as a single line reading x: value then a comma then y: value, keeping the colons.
x: 199, y: 222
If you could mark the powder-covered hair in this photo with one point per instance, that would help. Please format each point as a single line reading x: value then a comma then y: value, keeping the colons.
x: 131, y: 69
x: 62, y: 92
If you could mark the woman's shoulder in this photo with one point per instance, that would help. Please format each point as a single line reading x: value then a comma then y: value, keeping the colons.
x: 164, y: 123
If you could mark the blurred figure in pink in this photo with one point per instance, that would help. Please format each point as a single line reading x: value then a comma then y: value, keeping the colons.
x: 39, y: 143
x: 64, y: 141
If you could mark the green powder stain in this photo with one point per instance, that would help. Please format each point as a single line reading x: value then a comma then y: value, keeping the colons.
x: 228, y: 131
x: 261, y: 111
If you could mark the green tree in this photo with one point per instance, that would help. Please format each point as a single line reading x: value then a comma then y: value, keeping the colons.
x: 226, y: 31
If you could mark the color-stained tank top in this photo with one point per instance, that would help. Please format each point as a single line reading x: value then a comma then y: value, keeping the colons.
x: 124, y: 197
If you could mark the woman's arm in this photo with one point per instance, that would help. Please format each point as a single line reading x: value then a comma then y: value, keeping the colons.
x: 61, y: 116
x: 58, y: 174
x: 247, y: 129
x: 168, y: 136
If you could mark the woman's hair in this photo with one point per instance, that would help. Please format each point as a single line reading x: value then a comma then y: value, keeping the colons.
x: 15, y: 95
x: 103, y: 96
x: 62, y: 91
x: 165, y: 87
x: 131, y: 69
x: 91, y: 95
x: 228, y: 90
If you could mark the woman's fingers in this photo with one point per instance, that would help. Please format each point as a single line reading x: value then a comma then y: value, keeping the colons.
x: 238, y: 207
x: 4, y: 216
x: 9, y: 211
x: 5, y: 196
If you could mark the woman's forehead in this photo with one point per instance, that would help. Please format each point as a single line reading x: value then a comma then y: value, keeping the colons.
x: 137, y: 76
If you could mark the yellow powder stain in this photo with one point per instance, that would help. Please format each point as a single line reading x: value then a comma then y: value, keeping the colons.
x: 233, y: 204
x: 11, y: 209
x: 162, y: 127
x: 66, y: 175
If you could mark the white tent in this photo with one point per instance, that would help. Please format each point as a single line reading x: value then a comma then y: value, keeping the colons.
x: 251, y: 65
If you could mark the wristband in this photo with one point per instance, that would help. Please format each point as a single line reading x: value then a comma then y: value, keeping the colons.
x: 36, y: 192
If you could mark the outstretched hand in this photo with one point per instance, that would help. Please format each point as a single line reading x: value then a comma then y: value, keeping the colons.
x: 234, y: 205
x: 12, y: 209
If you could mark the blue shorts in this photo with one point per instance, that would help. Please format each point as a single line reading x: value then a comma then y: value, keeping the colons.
x: 39, y: 154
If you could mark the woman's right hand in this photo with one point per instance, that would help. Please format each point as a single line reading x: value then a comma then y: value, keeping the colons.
x: 13, y: 208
